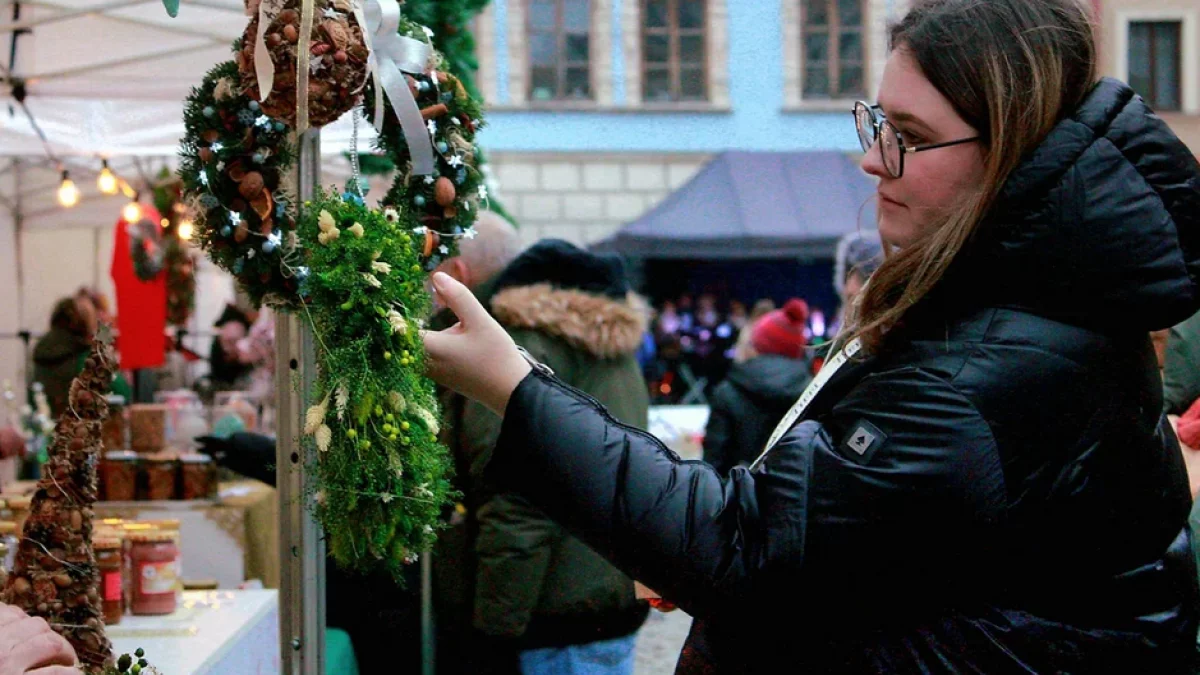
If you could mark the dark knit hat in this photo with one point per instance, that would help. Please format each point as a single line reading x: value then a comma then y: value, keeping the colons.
x: 566, y: 266
x: 781, y: 332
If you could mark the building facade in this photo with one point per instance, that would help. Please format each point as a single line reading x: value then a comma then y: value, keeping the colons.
x: 598, y: 109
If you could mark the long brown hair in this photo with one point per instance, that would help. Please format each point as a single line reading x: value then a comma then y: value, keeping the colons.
x: 1012, y: 69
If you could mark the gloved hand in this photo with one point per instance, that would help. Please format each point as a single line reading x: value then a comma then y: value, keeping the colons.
x: 252, y: 455
x: 213, y: 447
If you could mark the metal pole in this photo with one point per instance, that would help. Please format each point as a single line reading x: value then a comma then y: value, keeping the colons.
x: 302, y: 548
x: 428, y: 640
x: 18, y: 216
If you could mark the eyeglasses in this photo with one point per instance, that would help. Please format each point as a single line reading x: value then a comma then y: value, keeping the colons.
x: 873, y: 127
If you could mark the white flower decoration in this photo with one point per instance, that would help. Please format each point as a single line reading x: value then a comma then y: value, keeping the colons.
x: 381, y: 267
x: 397, y: 401
x: 324, y: 437
x: 357, y: 230
x: 391, y: 215
x: 372, y: 281
x: 399, y: 325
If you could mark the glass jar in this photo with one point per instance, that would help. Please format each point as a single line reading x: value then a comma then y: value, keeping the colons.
x: 198, y: 477
x: 171, y: 526
x: 118, y: 475
x: 109, y: 562
x: 148, y: 427
x: 8, y: 543
x: 154, y: 563
x: 161, y: 472
x: 113, y: 430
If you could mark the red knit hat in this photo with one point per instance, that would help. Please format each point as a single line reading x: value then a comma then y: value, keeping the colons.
x: 781, y: 332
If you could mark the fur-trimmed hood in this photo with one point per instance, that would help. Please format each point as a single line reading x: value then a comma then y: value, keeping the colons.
x: 602, y: 326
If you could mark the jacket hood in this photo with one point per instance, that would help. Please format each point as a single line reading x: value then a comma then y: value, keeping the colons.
x: 770, y: 380
x: 603, y: 327
x: 559, y: 289
x: 58, y: 345
x: 1098, y: 227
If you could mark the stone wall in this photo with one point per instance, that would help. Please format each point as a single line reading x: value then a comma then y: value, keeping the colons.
x: 586, y: 197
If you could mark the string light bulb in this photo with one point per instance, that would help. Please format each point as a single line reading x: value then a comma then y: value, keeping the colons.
x: 107, y: 180
x: 68, y: 194
x: 185, y: 230
x: 132, y: 212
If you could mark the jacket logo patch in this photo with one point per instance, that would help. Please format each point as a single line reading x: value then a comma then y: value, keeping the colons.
x: 863, y: 440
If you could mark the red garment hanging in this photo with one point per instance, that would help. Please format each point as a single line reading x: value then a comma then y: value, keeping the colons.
x: 141, y: 305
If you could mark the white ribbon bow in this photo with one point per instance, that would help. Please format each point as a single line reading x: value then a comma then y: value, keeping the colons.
x: 264, y: 68
x: 392, y: 55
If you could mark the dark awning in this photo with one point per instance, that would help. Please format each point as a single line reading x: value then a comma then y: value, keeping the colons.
x: 755, y: 205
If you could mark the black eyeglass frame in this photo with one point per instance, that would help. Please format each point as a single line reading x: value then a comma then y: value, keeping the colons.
x: 877, y: 122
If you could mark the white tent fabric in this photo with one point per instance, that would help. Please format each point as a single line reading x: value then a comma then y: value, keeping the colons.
x: 102, y: 78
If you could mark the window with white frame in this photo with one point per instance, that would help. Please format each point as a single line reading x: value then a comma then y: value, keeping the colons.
x: 833, y: 51
x: 559, y: 33
x: 674, y: 50
x: 1156, y: 62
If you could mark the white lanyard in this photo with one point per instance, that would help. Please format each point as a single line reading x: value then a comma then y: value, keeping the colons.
x: 810, y: 392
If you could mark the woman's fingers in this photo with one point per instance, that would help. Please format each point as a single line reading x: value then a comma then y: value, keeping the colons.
x: 459, y: 299
x: 18, y: 632
x: 10, y: 614
x: 46, y: 649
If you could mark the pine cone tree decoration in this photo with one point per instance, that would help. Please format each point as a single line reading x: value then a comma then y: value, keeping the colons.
x: 55, y: 574
x: 337, y: 62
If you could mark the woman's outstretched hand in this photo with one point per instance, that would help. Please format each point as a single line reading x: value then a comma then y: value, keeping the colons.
x: 476, y: 357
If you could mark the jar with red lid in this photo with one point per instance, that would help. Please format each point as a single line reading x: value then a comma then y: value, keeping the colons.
x: 154, y: 567
x: 161, y: 472
x: 199, y: 477
x: 118, y: 475
x: 109, y: 563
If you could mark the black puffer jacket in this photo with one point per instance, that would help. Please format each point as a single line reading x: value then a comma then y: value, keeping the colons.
x: 1023, y: 505
x: 747, y: 405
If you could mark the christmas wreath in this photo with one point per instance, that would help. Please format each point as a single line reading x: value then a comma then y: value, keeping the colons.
x: 380, y: 480
x: 146, y: 248
x: 335, y: 50
x: 381, y: 476
x: 178, y: 259
x: 232, y: 161
x: 447, y: 199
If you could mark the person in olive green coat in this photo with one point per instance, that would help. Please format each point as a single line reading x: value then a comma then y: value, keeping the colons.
x: 558, y: 601
x: 1181, y: 367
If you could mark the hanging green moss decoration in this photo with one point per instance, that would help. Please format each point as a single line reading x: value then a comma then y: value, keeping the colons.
x: 445, y: 203
x: 232, y: 161
x: 381, y: 475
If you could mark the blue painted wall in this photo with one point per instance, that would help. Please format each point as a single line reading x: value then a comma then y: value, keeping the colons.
x: 757, y: 121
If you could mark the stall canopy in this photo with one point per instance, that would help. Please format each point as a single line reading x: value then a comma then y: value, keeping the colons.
x: 100, y: 79
x: 108, y: 77
x: 755, y: 205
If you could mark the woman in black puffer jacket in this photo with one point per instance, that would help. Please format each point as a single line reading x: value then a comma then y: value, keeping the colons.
x: 987, y: 484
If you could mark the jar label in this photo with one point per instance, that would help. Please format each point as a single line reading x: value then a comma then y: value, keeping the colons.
x: 157, y: 577
x: 112, y: 586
